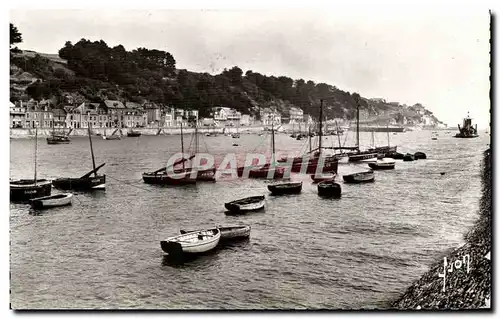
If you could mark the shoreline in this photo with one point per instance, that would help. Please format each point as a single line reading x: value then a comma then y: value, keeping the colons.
x: 463, y: 290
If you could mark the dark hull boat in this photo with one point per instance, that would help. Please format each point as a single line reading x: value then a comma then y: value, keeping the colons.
x: 162, y: 178
x: 362, y: 156
x: 25, y: 189
x: 419, y: 155
x: 248, y: 204
x: 467, y: 130
x: 283, y: 188
x: 133, y: 134
x: 363, y: 177
x: 58, y: 139
x: 329, y: 189
x: 82, y: 183
x: 265, y: 171
x: 330, y: 164
x: 408, y: 158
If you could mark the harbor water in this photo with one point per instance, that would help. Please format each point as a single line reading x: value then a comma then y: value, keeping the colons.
x: 357, y: 252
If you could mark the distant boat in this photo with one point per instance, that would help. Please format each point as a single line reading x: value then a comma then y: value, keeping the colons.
x: 419, y: 155
x: 23, y: 190
x: 283, y: 188
x: 467, y: 130
x: 195, y: 242
x: 386, y: 163
x: 85, y: 182
x: 52, y: 201
x: 361, y: 156
x: 329, y: 188
x: 58, y: 138
x: 133, y: 133
x: 112, y: 137
x: 363, y: 177
x: 247, y: 204
x: 228, y: 232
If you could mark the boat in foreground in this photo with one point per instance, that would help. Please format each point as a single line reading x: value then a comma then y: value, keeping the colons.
x: 229, y: 232
x: 329, y: 189
x: 247, y: 204
x: 52, y: 201
x: 362, y: 177
x: 386, y: 163
x: 25, y: 189
x: 282, y: 188
x: 193, y: 242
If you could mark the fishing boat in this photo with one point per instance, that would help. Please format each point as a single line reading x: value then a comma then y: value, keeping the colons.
x: 358, y: 155
x: 317, y: 178
x: 86, y: 182
x: 180, y: 176
x: 385, y: 150
x: 113, y: 136
x: 247, y: 204
x: 386, y: 163
x: 362, y: 177
x: 329, y: 189
x: 23, y: 190
x: 309, y: 162
x: 282, y: 188
x: 229, y: 232
x: 51, y: 201
x: 467, y: 130
x: 269, y: 170
x: 194, y: 242
x: 58, y: 138
x: 133, y: 133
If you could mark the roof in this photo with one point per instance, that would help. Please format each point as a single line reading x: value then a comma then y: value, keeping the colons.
x: 114, y: 104
x: 132, y: 105
x: 59, y: 112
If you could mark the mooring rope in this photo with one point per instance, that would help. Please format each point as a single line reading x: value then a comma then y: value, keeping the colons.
x: 126, y: 183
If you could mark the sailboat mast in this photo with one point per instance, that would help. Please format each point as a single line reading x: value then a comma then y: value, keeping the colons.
x: 388, y: 142
x: 320, y: 124
x: 338, y: 135
x: 272, y: 141
x: 182, y: 148
x: 310, y: 139
x: 36, y: 150
x: 196, y: 150
x: 357, y: 124
x: 92, y: 150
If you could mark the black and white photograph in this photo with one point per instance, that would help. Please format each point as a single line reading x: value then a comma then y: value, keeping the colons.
x: 315, y: 157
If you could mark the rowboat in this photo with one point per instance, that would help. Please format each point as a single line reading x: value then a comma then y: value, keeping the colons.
x: 194, y: 242
x: 329, y: 188
x: 323, y: 177
x: 229, y: 232
x: 408, y: 158
x: 246, y: 204
x: 52, y: 201
x: 281, y: 188
x: 419, y: 155
x: 362, y: 177
x: 386, y: 163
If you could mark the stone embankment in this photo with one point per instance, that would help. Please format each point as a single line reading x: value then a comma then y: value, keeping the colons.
x: 463, y: 289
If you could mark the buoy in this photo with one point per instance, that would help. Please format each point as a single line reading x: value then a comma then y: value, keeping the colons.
x: 442, y: 173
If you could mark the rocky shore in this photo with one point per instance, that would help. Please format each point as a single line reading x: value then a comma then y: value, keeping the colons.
x: 463, y: 290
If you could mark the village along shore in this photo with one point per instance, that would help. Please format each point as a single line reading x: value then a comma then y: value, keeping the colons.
x: 463, y: 289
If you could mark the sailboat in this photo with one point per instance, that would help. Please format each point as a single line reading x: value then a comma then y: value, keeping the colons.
x: 385, y: 150
x: 58, y: 138
x: 183, y: 175
x: 467, y: 130
x: 86, y: 182
x: 23, y: 190
x: 269, y: 170
x: 360, y: 156
x: 330, y: 162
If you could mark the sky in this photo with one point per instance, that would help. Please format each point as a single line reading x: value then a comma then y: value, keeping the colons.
x: 436, y: 56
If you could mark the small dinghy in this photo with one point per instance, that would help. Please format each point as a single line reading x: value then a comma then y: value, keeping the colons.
x: 363, y: 177
x: 229, y: 232
x: 329, y: 189
x: 52, y: 201
x: 246, y: 204
x: 386, y: 163
x: 282, y: 188
x: 419, y: 155
x: 318, y: 178
x: 408, y: 158
x: 193, y: 242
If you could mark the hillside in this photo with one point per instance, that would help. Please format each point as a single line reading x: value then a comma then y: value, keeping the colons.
x: 93, y: 71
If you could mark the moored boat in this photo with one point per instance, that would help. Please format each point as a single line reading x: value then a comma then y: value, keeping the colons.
x: 363, y: 156
x: 386, y: 163
x: 194, y: 242
x: 282, y: 188
x: 362, y: 177
x: 58, y: 139
x: 408, y: 157
x: 229, y: 232
x: 329, y: 189
x: 246, y: 204
x: 133, y: 133
x: 419, y: 155
x: 52, y: 201
x: 317, y: 178
x: 467, y: 130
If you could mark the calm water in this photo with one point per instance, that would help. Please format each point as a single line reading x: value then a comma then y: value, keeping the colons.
x: 304, y: 252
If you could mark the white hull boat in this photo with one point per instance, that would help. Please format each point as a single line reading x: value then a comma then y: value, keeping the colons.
x: 229, y: 232
x: 52, y: 201
x: 246, y: 204
x: 386, y: 163
x: 194, y: 242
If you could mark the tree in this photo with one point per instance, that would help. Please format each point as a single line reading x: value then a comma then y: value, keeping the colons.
x: 15, y: 37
